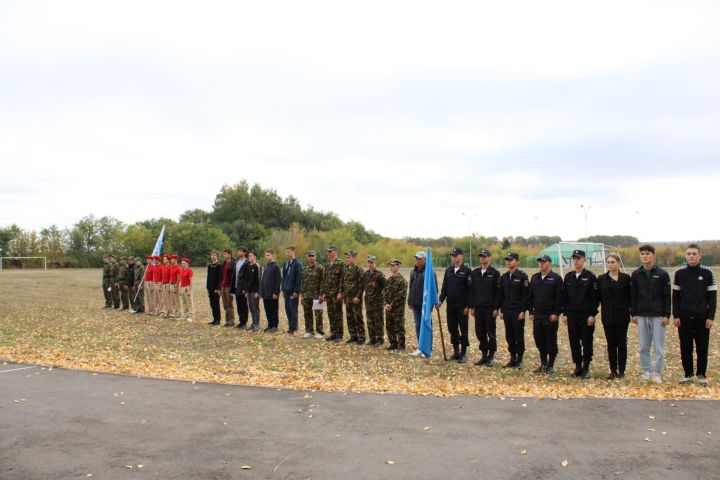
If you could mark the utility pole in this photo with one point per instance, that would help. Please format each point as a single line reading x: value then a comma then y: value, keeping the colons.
x: 469, y: 217
x: 585, y: 210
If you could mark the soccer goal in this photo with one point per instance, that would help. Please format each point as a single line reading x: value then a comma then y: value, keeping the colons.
x: 23, y: 263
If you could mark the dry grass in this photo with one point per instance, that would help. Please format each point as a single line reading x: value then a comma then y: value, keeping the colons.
x: 56, y: 318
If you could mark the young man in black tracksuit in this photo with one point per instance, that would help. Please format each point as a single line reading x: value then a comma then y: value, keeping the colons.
x: 580, y: 306
x: 512, y: 299
x: 485, y: 288
x: 545, y: 307
x: 694, y: 300
x: 456, y: 289
x: 214, y: 271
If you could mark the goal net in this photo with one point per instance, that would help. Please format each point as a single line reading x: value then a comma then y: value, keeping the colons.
x: 23, y: 263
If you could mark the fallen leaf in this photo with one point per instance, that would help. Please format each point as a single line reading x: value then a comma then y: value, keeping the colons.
x: 647, y: 439
x: 246, y: 467
x: 426, y: 428
x: 524, y: 405
x: 523, y: 452
x: 564, y: 463
x: 651, y: 417
x: 700, y: 443
x: 651, y: 429
x: 390, y: 462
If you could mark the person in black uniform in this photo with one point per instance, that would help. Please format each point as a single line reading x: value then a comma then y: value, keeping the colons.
x: 214, y: 271
x: 614, y: 296
x: 456, y: 289
x: 545, y: 307
x: 512, y: 300
x: 485, y: 287
x: 580, y: 305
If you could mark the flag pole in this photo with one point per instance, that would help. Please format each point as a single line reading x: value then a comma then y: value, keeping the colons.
x: 442, y: 337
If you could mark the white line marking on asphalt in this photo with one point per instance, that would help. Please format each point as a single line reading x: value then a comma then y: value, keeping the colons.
x: 16, y: 369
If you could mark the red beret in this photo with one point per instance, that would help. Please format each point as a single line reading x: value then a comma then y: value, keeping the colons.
x: 186, y: 260
x: 149, y: 256
x: 173, y: 256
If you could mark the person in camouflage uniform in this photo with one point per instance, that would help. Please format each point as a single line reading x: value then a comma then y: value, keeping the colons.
x: 394, y: 296
x: 373, y: 285
x: 330, y: 293
x: 352, y: 288
x: 121, y: 283
x: 137, y: 296
x: 115, y: 291
x: 312, y: 276
x: 106, y: 285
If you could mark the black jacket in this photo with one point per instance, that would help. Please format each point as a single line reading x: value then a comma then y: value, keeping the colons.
x: 417, y: 287
x: 456, y: 286
x: 513, y: 293
x: 213, y: 276
x: 485, y: 288
x: 694, y: 293
x: 580, y: 294
x: 650, y: 297
x: 250, y: 278
x: 130, y: 277
x: 546, y: 295
x: 270, y: 281
x: 240, y: 275
x: 614, y: 297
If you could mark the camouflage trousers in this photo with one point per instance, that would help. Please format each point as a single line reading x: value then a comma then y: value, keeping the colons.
x: 309, y: 313
x: 335, y: 314
x: 115, y: 295
x: 395, y: 325
x: 375, y: 324
x: 106, y: 284
x: 355, y: 323
x: 138, y: 299
x: 124, y: 295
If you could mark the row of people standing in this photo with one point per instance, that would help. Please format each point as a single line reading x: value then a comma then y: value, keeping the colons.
x: 643, y: 298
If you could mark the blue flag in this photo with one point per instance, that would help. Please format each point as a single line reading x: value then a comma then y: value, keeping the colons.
x: 159, y: 243
x: 430, y: 300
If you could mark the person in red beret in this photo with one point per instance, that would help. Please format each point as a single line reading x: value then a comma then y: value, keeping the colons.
x: 158, y: 285
x: 149, y: 286
x: 174, y: 287
x: 167, y: 305
x: 186, y: 297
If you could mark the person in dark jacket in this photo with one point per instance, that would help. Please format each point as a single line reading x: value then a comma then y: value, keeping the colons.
x: 650, y: 302
x: 291, y: 285
x: 512, y: 299
x: 694, y: 301
x: 456, y: 290
x: 241, y: 264
x: 614, y: 295
x: 545, y: 307
x: 227, y: 287
x: 415, y: 294
x: 580, y: 306
x: 485, y: 288
x: 251, y: 287
x: 214, y: 271
x: 270, y: 290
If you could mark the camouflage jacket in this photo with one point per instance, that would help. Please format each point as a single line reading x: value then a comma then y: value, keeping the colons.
x: 395, y: 291
x: 121, y: 273
x: 373, y: 285
x: 106, y: 271
x: 113, y: 272
x: 332, y: 278
x: 352, y: 285
x: 312, y: 278
x: 139, y: 274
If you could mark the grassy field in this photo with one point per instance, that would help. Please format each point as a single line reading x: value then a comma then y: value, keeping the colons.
x: 56, y: 318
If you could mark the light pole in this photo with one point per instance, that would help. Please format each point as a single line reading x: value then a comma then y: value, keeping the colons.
x: 469, y: 217
x: 585, y: 209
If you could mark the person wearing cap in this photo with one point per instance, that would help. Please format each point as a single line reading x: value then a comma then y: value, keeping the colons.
x: 121, y: 284
x: 373, y: 283
x: 240, y: 298
x: 312, y: 276
x: 114, y: 286
x: 166, y: 304
x: 212, y: 283
x: 352, y: 293
x: 650, y: 307
x: 512, y: 299
x: 148, y: 286
x: 614, y: 296
x: 457, y: 290
x: 415, y: 295
x: 580, y: 306
x: 185, y: 291
x: 394, y: 296
x: 106, y: 285
x: 137, y: 296
x: 290, y: 286
x: 270, y: 291
x: 545, y: 307
x: 331, y: 293
x: 130, y: 282
x: 485, y: 288
x: 251, y: 287
x: 158, y: 285
x: 175, y: 271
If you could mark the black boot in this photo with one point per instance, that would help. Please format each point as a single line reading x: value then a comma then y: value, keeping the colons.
x: 578, y: 370
x: 586, y: 370
x: 511, y: 363
x: 543, y: 364
x: 456, y: 353
x: 550, y: 367
x: 490, y: 360
x: 463, y: 352
x: 483, y: 360
x: 519, y: 361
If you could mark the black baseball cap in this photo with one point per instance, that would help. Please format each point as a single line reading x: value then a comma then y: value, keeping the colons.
x: 578, y: 253
x: 512, y: 256
x: 484, y: 253
x: 457, y: 251
x: 544, y: 258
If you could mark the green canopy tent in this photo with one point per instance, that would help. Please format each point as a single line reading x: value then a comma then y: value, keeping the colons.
x: 561, y: 254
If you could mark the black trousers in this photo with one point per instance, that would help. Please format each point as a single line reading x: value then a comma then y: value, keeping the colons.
x: 616, y: 336
x: 514, y: 331
x: 272, y: 307
x: 486, y: 330
x: 242, y: 308
x: 692, y: 330
x: 214, y: 305
x: 581, y: 337
x: 457, y: 323
x: 545, y: 334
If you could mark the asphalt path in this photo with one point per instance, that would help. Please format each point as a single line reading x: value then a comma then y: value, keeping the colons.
x: 62, y: 424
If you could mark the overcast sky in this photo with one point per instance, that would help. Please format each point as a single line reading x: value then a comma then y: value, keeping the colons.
x: 402, y: 115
